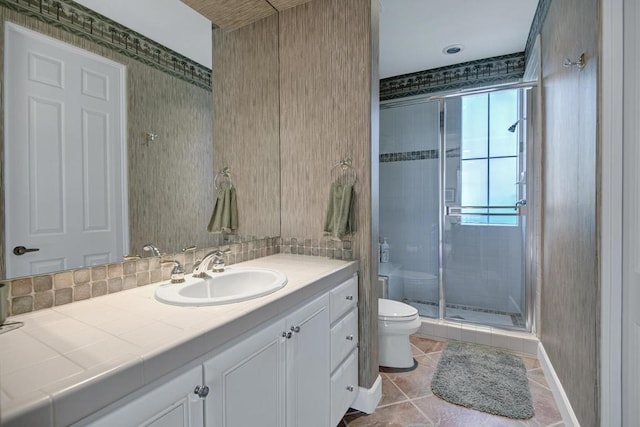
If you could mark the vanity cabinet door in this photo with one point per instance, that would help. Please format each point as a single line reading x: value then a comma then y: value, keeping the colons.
x: 246, y: 382
x: 169, y: 404
x: 308, y: 365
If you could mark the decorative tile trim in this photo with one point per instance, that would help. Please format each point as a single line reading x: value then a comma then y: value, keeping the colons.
x: 28, y: 294
x: 81, y: 21
x: 409, y: 155
x: 536, y: 26
x: 483, y: 72
x: 333, y: 249
x: 417, y: 155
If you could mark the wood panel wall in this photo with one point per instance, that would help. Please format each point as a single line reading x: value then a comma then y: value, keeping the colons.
x: 570, y: 285
x: 246, y: 121
x: 169, y: 179
x: 326, y: 107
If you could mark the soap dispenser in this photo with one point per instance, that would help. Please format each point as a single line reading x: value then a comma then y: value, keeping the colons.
x: 384, y: 251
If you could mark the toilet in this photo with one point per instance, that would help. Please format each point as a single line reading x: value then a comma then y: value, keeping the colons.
x: 396, y: 321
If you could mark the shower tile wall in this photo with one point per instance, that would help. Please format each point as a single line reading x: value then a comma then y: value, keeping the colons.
x: 477, y: 275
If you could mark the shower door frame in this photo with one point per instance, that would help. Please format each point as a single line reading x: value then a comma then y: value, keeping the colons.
x: 529, y: 250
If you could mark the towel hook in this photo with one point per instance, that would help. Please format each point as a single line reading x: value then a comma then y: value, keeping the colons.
x: 225, y: 174
x: 579, y: 64
x: 348, y: 175
x: 149, y: 137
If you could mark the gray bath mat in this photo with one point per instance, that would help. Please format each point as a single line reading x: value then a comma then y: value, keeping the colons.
x: 483, y: 378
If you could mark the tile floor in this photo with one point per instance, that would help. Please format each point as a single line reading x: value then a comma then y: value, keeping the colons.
x: 407, y: 400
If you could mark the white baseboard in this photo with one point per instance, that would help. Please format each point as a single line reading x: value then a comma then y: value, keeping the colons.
x: 564, y: 406
x: 368, y: 398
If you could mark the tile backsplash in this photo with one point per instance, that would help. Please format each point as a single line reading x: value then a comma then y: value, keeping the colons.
x: 317, y: 247
x: 45, y: 291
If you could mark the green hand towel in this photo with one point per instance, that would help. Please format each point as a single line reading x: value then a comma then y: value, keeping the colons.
x: 340, y: 218
x: 224, y: 217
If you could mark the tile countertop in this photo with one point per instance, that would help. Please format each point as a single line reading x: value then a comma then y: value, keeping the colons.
x: 70, y: 361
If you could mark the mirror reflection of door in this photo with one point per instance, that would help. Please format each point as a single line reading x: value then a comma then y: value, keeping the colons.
x: 64, y: 164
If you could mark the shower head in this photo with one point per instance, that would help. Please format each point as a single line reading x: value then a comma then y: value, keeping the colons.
x: 512, y: 128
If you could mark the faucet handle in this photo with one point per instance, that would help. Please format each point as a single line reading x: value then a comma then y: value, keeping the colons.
x: 177, y: 273
x: 217, y: 266
x: 220, y: 253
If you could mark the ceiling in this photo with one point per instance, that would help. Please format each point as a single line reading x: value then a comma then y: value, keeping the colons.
x: 413, y: 33
x: 168, y: 22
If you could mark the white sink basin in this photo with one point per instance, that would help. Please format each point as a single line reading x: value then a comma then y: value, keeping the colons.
x: 232, y: 285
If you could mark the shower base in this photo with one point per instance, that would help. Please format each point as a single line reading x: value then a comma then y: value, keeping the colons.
x: 468, y: 313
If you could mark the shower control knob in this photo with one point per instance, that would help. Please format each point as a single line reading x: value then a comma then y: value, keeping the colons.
x: 201, y: 391
x: 349, y: 297
x: 350, y: 388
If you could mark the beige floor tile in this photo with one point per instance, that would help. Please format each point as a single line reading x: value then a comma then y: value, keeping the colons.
x: 544, y: 406
x: 390, y: 393
x: 445, y: 414
x: 537, y: 375
x: 416, y: 383
x: 399, y: 415
x: 426, y: 345
x: 530, y: 362
x: 395, y: 411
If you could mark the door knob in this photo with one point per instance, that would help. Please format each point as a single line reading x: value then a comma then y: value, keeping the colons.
x: 21, y: 250
x: 201, y: 391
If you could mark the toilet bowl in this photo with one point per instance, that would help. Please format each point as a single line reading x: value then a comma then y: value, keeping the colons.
x: 396, y: 321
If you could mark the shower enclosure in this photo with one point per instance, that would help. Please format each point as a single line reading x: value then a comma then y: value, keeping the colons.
x: 453, y: 205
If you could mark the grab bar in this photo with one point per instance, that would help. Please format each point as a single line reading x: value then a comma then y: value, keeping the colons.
x: 457, y: 210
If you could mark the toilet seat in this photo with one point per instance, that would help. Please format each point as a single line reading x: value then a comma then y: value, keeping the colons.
x: 390, y: 311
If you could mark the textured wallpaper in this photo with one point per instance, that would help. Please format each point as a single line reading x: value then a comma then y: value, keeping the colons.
x: 326, y: 115
x: 570, y: 303
x: 246, y: 121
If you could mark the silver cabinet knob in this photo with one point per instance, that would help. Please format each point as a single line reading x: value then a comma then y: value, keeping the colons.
x: 350, y: 337
x: 201, y: 391
x: 350, y: 388
x: 295, y: 329
x: 287, y: 335
x: 349, y: 297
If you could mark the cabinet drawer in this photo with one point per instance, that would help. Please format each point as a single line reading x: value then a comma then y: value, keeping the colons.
x: 344, y: 337
x: 344, y: 298
x: 344, y: 387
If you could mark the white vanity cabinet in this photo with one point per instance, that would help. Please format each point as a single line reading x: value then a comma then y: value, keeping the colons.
x: 246, y: 382
x: 299, y: 369
x: 174, y: 403
x: 276, y: 377
x: 344, y: 348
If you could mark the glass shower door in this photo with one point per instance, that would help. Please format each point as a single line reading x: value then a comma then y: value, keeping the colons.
x: 482, y: 232
x: 409, y: 209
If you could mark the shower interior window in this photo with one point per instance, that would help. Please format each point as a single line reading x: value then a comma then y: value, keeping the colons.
x: 489, y: 156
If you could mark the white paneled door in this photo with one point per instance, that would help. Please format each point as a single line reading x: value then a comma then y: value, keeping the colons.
x: 64, y: 164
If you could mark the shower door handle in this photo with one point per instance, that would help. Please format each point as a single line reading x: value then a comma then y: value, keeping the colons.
x: 458, y: 210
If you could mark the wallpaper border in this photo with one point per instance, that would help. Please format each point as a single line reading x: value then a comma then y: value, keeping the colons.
x: 81, y: 21
x: 482, y: 72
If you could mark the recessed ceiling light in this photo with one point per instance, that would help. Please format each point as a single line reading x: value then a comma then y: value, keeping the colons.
x: 452, y: 49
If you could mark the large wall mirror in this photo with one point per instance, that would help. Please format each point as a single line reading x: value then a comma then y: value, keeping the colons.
x: 170, y: 158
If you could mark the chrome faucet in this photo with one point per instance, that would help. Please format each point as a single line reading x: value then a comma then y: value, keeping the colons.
x: 215, y: 258
x: 150, y: 247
